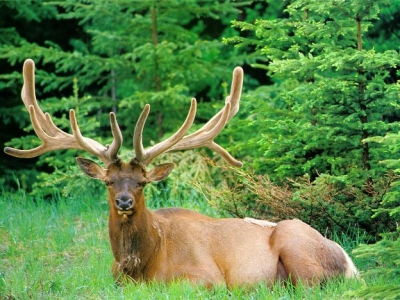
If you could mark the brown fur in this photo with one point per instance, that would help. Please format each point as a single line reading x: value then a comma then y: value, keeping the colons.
x: 177, y: 243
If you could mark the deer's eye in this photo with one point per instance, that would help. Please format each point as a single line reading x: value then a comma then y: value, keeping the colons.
x: 108, y: 182
x: 142, y: 184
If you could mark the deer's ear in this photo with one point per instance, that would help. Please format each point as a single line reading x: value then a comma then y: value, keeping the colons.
x: 90, y: 168
x: 159, y: 172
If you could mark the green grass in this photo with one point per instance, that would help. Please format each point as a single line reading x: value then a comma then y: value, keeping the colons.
x: 60, y: 250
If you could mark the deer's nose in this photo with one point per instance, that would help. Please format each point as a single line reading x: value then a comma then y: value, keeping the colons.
x: 124, y: 202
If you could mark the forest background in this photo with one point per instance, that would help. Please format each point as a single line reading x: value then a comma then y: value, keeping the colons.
x: 318, y: 127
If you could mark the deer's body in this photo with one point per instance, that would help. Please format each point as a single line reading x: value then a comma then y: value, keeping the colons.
x: 171, y: 244
x: 184, y: 244
x: 175, y: 243
x: 191, y: 246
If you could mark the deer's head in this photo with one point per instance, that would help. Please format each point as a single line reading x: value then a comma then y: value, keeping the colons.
x: 125, y: 181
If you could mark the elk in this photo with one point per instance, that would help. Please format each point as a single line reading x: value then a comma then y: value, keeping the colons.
x: 175, y: 243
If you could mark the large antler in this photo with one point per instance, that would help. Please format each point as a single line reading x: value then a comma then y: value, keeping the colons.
x: 204, y: 137
x: 54, y: 138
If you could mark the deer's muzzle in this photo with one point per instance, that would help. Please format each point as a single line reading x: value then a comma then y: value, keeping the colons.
x: 124, y: 203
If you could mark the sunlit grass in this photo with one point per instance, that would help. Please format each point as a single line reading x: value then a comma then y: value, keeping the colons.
x: 59, y: 249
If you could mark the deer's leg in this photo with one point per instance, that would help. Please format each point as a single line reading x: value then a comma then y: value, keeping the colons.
x: 305, y: 254
x: 120, y: 277
x: 197, y: 275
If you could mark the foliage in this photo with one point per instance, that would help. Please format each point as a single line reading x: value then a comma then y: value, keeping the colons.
x: 322, y: 202
x: 137, y: 53
x: 330, y: 94
x: 387, y: 251
x: 125, y: 54
x: 387, y: 266
x: 335, y: 94
x: 390, y: 203
x: 242, y: 194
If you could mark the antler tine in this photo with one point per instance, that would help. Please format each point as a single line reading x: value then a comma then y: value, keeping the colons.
x: 204, y: 137
x: 138, y: 134
x: 233, y: 98
x: 42, y: 135
x: 106, y: 154
x: 52, y: 137
x: 28, y: 96
x: 117, y: 137
x: 146, y: 156
x: 236, y: 91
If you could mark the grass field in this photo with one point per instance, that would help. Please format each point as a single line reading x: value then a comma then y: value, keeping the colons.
x: 60, y: 250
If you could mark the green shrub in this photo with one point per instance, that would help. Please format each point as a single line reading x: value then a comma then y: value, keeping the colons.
x: 323, y: 202
x: 332, y: 91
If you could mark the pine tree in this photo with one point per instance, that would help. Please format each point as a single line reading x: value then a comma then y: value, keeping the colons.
x: 127, y: 54
x: 330, y: 95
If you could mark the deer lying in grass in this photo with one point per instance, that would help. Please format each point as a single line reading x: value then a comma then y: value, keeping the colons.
x: 175, y: 243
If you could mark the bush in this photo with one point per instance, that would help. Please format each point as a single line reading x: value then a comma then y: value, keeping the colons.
x: 323, y: 202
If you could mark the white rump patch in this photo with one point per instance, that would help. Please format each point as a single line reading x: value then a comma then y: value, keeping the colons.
x: 262, y: 223
x: 351, y: 269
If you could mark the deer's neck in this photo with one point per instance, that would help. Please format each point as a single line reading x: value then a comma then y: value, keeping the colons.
x: 135, y: 242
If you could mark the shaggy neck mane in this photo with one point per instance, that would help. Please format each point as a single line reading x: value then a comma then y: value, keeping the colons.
x: 134, y: 242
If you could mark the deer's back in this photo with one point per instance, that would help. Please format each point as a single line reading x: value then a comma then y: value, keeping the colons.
x: 227, y: 250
